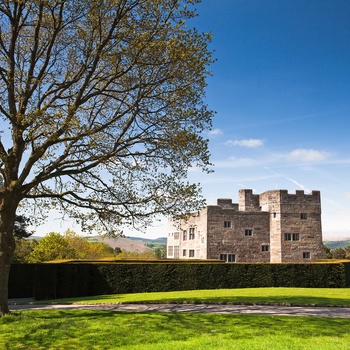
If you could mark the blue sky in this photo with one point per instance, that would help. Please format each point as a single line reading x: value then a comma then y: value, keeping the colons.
x: 281, y: 88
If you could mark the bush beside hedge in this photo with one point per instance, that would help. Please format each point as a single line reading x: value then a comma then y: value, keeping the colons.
x: 49, y: 281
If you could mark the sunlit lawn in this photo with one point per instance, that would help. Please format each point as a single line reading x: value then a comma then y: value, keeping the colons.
x: 288, y: 296
x: 86, y: 329
x: 105, y: 329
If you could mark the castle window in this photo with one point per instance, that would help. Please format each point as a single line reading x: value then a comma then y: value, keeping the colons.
x: 184, y: 235
x: 191, y: 235
x: 291, y: 236
x: 274, y: 215
x: 295, y: 237
x: 287, y: 236
x: 306, y: 255
x: 191, y: 253
x: 176, y: 235
x: 170, y: 251
x: 303, y: 216
x: 248, y: 232
x: 176, y: 252
x: 228, y: 257
x: 227, y: 224
x: 184, y: 253
x: 265, y: 248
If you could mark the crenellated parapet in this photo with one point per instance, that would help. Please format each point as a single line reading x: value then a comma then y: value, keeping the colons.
x: 248, y: 201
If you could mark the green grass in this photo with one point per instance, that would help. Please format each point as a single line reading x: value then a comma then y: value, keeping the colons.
x: 97, y: 330
x: 281, y: 296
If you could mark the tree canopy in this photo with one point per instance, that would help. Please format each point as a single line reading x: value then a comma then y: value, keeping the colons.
x: 54, y: 246
x: 102, y: 111
x: 21, y: 227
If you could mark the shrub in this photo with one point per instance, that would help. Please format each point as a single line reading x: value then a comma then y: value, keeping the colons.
x: 47, y: 281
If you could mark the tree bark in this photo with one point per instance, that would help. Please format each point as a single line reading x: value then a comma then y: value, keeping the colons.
x: 7, y: 247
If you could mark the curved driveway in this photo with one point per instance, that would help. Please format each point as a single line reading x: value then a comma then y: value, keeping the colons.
x: 340, y: 312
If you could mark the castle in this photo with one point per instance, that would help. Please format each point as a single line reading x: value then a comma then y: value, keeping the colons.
x: 273, y: 226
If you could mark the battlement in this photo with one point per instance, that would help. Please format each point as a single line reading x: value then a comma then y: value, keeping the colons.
x: 248, y: 201
x: 227, y: 203
x: 270, y: 200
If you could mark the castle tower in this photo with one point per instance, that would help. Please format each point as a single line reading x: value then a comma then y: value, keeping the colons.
x: 295, y: 225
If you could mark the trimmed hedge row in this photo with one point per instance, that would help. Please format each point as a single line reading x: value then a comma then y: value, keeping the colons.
x: 50, y: 281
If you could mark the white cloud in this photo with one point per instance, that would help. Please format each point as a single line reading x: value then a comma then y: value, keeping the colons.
x: 250, y: 143
x: 307, y: 155
x: 215, y: 132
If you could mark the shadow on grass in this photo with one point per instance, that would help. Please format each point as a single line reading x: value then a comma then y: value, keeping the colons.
x: 293, y: 300
x: 253, y: 296
x: 77, y: 329
x: 275, y: 300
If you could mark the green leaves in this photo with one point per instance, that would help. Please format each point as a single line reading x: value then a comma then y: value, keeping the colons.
x: 102, y: 105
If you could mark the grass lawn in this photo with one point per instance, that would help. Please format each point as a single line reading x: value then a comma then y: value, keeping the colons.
x: 97, y: 330
x: 105, y: 329
x: 283, y: 296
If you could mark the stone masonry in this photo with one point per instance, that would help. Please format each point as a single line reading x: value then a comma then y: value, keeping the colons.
x: 273, y: 226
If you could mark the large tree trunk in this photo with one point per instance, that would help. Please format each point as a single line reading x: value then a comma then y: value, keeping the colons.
x: 7, y: 247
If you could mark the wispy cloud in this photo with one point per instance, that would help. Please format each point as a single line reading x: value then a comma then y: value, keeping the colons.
x: 215, y: 132
x: 307, y: 155
x: 250, y: 143
x: 298, y: 184
x: 269, y: 160
x: 295, y: 182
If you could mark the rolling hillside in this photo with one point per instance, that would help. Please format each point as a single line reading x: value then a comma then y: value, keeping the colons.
x: 337, y: 244
x: 130, y: 244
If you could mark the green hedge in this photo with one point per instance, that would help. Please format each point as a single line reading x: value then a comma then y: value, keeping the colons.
x: 49, y: 281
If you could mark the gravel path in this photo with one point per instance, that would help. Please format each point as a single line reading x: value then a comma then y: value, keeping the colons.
x: 341, y: 312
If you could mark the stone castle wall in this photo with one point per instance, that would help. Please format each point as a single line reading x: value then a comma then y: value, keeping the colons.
x: 274, y: 226
x: 243, y: 237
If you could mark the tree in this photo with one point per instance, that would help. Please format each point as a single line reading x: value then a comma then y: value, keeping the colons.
x: 21, y: 227
x: 85, y: 250
x: 52, y: 247
x: 117, y: 250
x: 160, y: 252
x: 339, y: 253
x: 327, y: 252
x: 102, y: 112
x: 347, y: 252
x: 24, y: 247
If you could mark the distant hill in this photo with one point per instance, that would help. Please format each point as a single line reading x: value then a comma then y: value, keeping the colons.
x: 337, y: 244
x: 161, y: 240
x: 130, y: 244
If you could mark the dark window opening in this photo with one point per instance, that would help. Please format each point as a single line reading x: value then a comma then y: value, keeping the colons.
x: 248, y: 232
x: 228, y: 257
x: 227, y: 224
